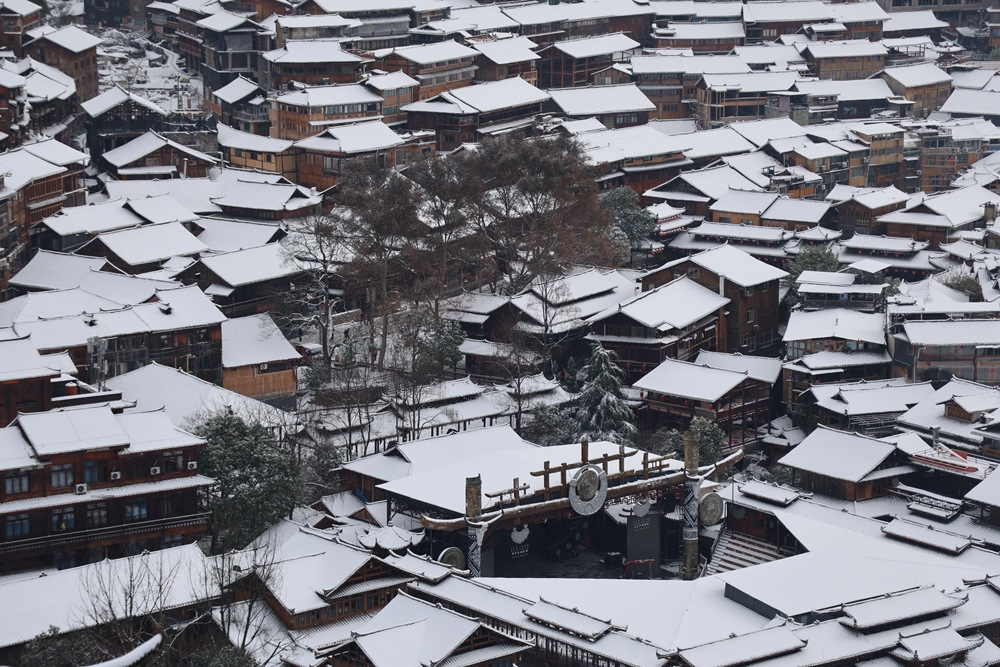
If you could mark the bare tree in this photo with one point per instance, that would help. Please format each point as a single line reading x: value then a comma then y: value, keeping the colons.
x: 318, y: 245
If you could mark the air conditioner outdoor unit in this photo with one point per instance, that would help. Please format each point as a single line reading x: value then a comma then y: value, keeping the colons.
x: 192, y: 465
x: 155, y: 470
x: 80, y: 488
x: 116, y: 475
x: 263, y: 367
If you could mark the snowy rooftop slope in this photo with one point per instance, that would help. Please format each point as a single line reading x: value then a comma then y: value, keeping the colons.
x: 56, y: 270
x: 883, y: 396
x: 230, y: 138
x: 254, y: 340
x: 111, y: 98
x: 737, y: 266
x: 506, y: 51
x: 19, y: 360
x: 187, y: 398
x: 311, y: 51
x: 836, y: 323
x: 740, y: 201
x: 688, y: 380
x: 589, y: 47
x: 675, y: 305
x: 146, y: 144
x: 224, y: 235
x: 150, y: 243
x: 959, y: 332
x: 72, y: 39
x: 427, y: 54
x: 601, y: 100
x: 55, y: 152
x: 837, y: 454
x: 60, y: 431
x: 236, y: 90
x: 924, y: 74
x: 426, y: 454
x: 765, y: 369
x: 242, y: 267
x: 160, y: 209
x: 904, y: 21
x: 742, y: 649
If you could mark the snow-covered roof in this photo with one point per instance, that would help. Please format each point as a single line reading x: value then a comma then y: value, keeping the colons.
x: 496, y: 95
x: 987, y: 491
x: 337, y: 94
x: 838, y: 454
x: 149, y: 243
x: 807, y: 10
x: 737, y: 266
x: 854, y: 48
x: 186, y: 398
x: 741, y: 201
x: 390, y: 81
x: 242, y: 267
x: 873, y: 198
x: 92, y: 219
x: 961, y: 206
x: 223, y: 235
x: 353, y: 139
x: 236, y: 90
x: 796, y: 210
x: 922, y: 74
x: 72, y: 39
x: 672, y: 306
x: 760, y: 132
x: 702, y: 30
x: 145, y: 144
x: 19, y: 360
x: 231, y: 138
x: 690, y: 380
x: 877, y: 397
x: 905, y: 21
x: 254, y: 340
x: 857, y: 12
x: 507, y: 51
x: 753, y: 82
x: 848, y: 91
x: 629, y: 143
x: 592, y: 101
x: 768, y: 54
x: 109, y: 99
x: 589, y: 47
x: 972, y: 102
x: 429, y: 54
x: 656, y: 64
x: 225, y: 21
x: 836, y: 323
x: 765, y: 369
x: 56, y: 270
x: 304, y: 51
x: 953, y: 332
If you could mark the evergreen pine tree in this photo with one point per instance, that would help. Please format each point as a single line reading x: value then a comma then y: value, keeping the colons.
x: 602, y: 413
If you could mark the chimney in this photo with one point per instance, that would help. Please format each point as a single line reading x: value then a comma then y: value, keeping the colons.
x: 185, y: 167
x: 585, y: 450
x: 935, y: 435
x: 473, y: 497
x: 722, y: 284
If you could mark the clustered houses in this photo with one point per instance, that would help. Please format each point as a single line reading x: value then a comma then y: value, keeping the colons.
x: 86, y: 483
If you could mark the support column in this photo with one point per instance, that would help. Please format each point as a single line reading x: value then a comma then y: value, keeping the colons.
x: 690, y: 510
x: 473, y: 512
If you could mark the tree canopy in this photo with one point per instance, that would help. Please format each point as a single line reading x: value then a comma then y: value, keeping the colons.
x: 812, y: 258
x: 602, y: 411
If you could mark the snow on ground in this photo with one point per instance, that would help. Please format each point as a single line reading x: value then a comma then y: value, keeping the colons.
x: 132, y: 61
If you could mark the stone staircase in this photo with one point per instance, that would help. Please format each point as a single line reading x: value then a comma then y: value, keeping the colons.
x: 734, y: 551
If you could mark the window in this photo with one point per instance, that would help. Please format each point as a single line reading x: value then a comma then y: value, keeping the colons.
x: 64, y: 560
x: 63, y: 519
x: 748, y: 291
x: 97, y: 515
x: 331, y: 165
x: 765, y: 338
x: 173, y: 461
x: 751, y: 315
x: 17, y: 483
x: 693, y: 272
x: 173, y: 541
x: 137, y: 510
x: 18, y: 526
x: 62, y: 476
x: 95, y: 472
x: 750, y: 342
x: 173, y: 505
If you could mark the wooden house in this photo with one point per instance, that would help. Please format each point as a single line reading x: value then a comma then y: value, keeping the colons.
x: 257, y: 360
x: 71, y: 51
x: 614, y: 106
x: 311, y: 62
x: 845, y: 60
x: 676, y: 320
x: 439, y: 67
x: 505, y: 58
x: 241, y: 104
x: 675, y: 392
x: 926, y: 85
x: 751, y: 286
x: 230, y: 46
x: 311, y: 110
x: 19, y: 17
x: 579, y: 62
x: 152, y: 156
x: 319, y: 160
x: 701, y: 38
x: 396, y: 90
x: 671, y: 82
x: 66, y: 500
x: 859, y: 209
x: 116, y: 117
x: 464, y: 115
x: 253, y: 151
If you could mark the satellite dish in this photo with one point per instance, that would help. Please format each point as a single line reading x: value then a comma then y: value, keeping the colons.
x: 519, y: 535
x: 711, y: 509
x: 588, y: 490
x: 453, y: 557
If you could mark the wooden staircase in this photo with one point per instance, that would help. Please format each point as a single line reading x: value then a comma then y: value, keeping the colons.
x: 734, y: 551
